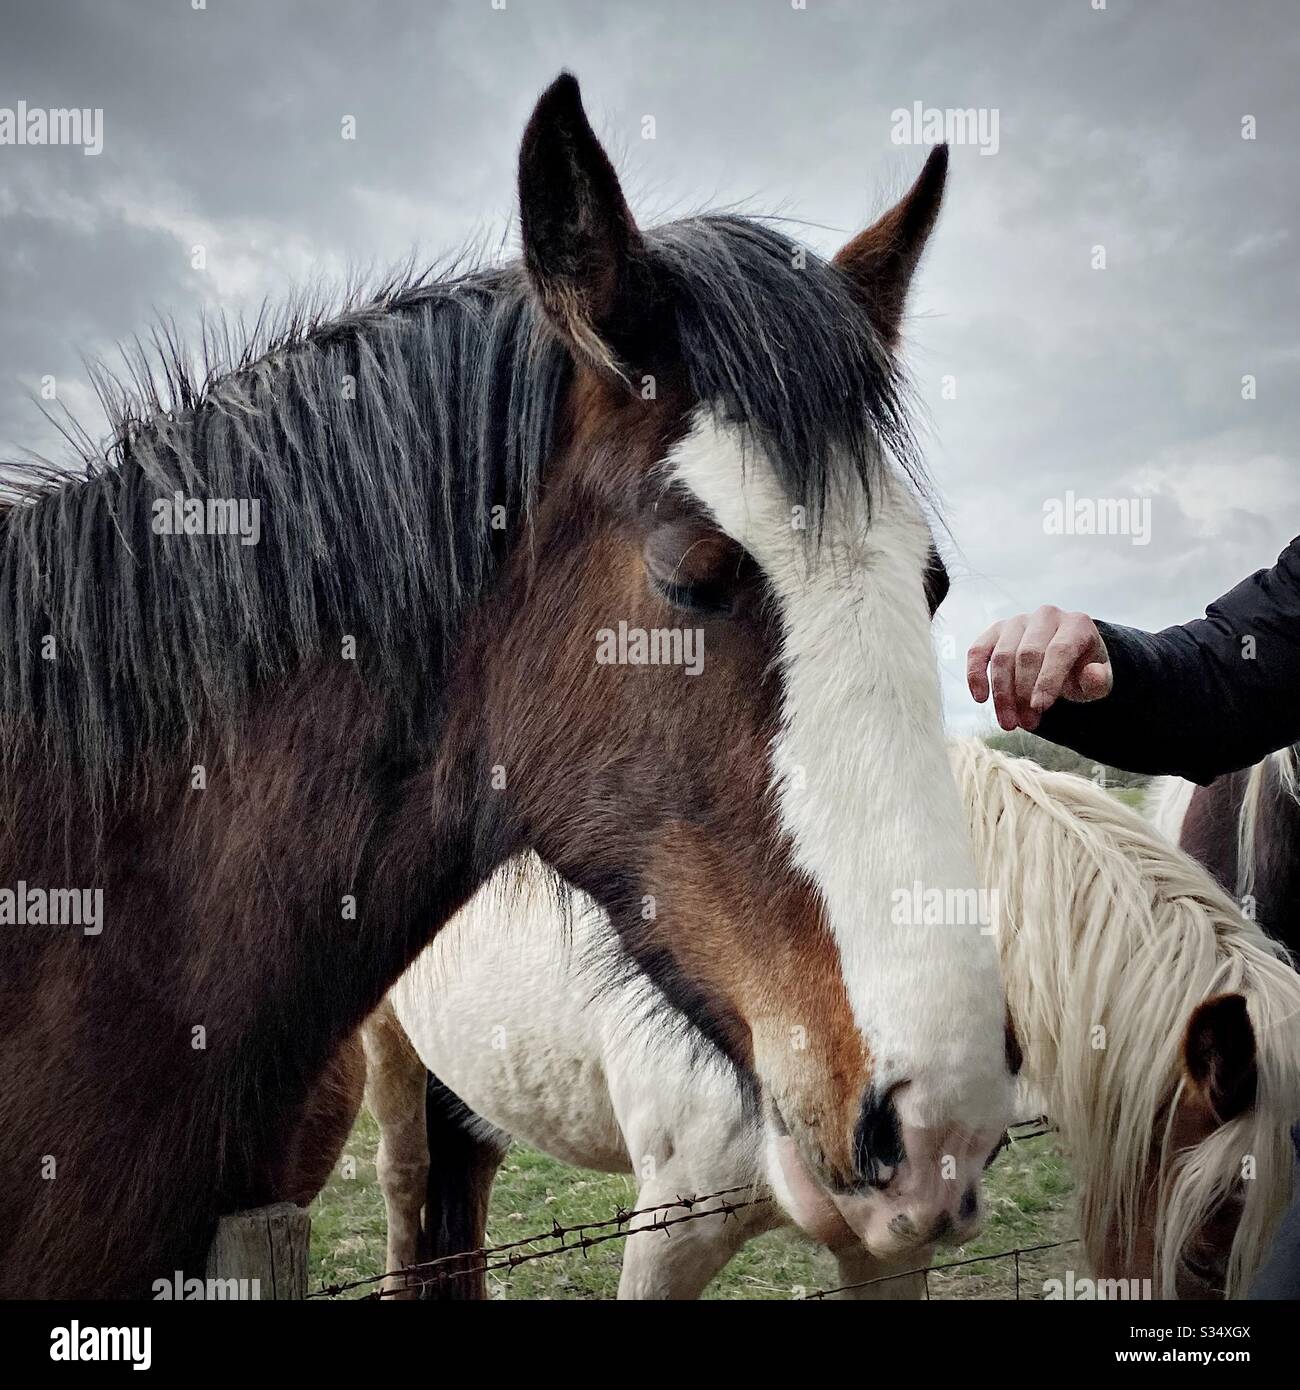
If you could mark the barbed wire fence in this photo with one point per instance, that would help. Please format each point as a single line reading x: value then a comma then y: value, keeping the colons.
x: 928, y: 1270
x: 511, y: 1254
x: 415, y: 1279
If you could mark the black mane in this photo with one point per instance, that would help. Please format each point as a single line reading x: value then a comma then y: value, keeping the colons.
x: 377, y: 441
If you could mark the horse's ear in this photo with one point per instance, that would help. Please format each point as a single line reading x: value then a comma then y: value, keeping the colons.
x: 579, y: 237
x: 1219, y: 1056
x: 881, y: 260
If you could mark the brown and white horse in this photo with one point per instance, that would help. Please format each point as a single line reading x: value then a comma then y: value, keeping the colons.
x: 285, y: 764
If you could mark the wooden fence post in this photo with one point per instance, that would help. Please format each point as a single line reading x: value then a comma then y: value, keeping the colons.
x: 266, y: 1244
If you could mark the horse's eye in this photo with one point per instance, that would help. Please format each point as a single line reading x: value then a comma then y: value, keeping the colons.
x: 1204, y: 1271
x: 694, y: 598
x: 694, y: 567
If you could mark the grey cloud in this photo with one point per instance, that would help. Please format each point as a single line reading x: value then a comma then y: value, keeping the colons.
x: 1118, y: 127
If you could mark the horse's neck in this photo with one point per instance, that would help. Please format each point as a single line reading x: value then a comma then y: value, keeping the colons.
x: 1209, y: 831
x: 255, y: 910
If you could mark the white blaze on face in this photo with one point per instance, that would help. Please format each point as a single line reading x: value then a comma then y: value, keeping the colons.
x: 865, y: 790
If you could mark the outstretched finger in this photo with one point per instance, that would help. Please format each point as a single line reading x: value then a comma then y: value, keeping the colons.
x: 1039, y: 632
x: 1002, y: 671
x: 977, y: 662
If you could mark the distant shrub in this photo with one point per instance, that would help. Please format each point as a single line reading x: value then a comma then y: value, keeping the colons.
x: 1020, y: 744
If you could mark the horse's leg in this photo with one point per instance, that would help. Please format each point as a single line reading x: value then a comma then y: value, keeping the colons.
x: 856, y: 1267
x: 678, y: 1262
x: 464, y: 1155
x: 395, y: 1085
x: 323, y: 1126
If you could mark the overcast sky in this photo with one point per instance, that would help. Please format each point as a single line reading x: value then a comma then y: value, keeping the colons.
x: 1119, y: 128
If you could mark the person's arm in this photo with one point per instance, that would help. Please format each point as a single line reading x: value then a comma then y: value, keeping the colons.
x: 1197, y: 700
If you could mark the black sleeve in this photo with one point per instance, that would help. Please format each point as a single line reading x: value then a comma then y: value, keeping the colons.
x: 1201, y: 699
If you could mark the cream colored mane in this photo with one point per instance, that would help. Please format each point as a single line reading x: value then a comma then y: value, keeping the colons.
x: 1109, y: 939
x: 1286, y: 762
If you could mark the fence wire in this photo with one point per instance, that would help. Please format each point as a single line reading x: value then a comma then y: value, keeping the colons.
x: 927, y: 1270
x: 509, y: 1255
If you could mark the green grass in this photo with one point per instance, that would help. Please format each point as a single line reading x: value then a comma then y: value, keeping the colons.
x: 347, y: 1219
x: 1027, y: 1190
x: 1130, y: 796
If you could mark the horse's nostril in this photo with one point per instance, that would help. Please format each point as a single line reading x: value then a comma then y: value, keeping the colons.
x: 878, y: 1142
x: 969, y: 1202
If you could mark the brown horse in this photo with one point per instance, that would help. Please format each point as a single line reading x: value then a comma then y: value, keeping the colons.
x: 611, y: 554
x: 1245, y: 828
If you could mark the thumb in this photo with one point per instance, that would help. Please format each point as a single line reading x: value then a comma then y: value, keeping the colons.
x: 1095, y: 680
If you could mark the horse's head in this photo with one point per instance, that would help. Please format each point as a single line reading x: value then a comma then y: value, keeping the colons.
x: 704, y: 687
x: 1182, y: 1234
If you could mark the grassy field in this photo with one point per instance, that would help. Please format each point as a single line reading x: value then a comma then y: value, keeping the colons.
x: 1028, y: 1191
x: 1130, y: 796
